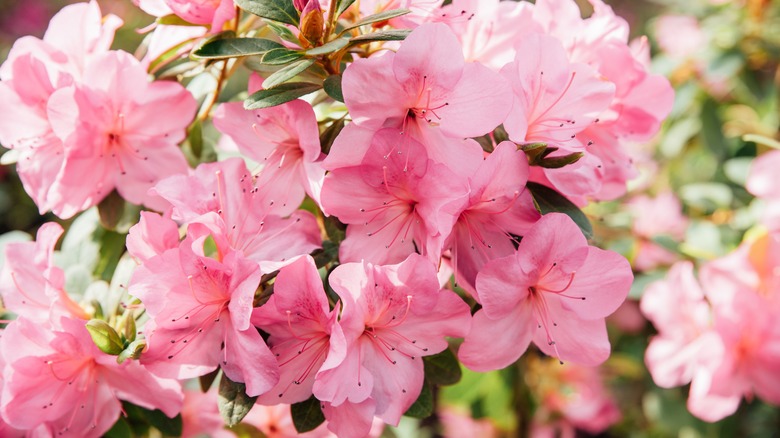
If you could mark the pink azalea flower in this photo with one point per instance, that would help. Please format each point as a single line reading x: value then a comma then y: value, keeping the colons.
x: 393, y: 315
x: 458, y: 424
x: 762, y: 182
x: 152, y: 236
x: 499, y: 208
x: 304, y: 331
x: 61, y: 379
x: 224, y: 197
x: 553, y: 99
x: 119, y: 131
x: 200, y: 311
x: 679, y: 36
x: 285, y: 140
x: 488, y: 29
x: 200, y: 416
x: 214, y: 13
x: 31, y: 285
x: 421, y: 10
x: 276, y: 422
x: 397, y: 201
x: 555, y: 290
x: 659, y: 216
x: 34, y: 70
x: 428, y: 91
x: 677, y: 309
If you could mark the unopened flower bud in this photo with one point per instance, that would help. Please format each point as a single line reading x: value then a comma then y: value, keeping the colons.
x: 105, y: 337
x: 300, y: 4
x: 312, y: 22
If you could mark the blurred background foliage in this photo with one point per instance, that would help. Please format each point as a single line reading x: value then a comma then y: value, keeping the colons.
x: 722, y: 59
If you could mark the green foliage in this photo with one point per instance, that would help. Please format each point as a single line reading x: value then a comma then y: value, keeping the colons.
x: 423, y: 406
x: 307, y: 415
x: 282, y: 11
x: 224, y: 48
x: 548, y: 201
x: 279, y: 95
x: 233, y: 402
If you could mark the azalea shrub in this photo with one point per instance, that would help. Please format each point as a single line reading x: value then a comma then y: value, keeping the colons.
x: 390, y: 218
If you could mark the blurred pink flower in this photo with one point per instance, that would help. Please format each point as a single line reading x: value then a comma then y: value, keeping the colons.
x: 656, y: 217
x: 200, y: 415
x: 458, y: 424
x: 679, y: 35
x: 762, y: 182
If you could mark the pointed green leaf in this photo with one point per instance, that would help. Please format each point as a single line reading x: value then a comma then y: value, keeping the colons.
x: 343, y: 6
x: 105, y: 337
x: 281, y: 56
x: 208, y: 380
x: 286, y: 73
x: 548, y: 200
x: 423, y: 406
x: 282, y: 11
x: 329, y: 135
x: 332, y: 86
x: 500, y: 134
x: 283, y: 32
x: 158, y: 419
x: 329, y: 47
x: 386, y: 35
x: 279, y: 95
x: 235, y: 47
x: 558, y: 162
x: 233, y: 402
x: 307, y: 415
x: 378, y: 18
x: 442, y: 368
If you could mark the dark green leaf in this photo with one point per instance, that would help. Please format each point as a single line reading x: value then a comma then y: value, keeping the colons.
x: 550, y: 201
x: 110, y: 210
x: 286, y: 73
x: 560, y: 161
x: 195, y: 138
x: 281, y: 56
x: 120, y: 429
x: 332, y: 86
x: 328, y: 254
x: 442, y: 368
x: 329, y: 47
x: 283, y: 32
x: 387, y: 35
x: 500, y: 134
x: 423, y: 406
x: 279, y: 95
x: 307, y: 415
x: 378, y: 18
x: 233, y: 402
x: 329, y: 135
x: 161, y: 422
x: 235, y: 47
x: 336, y: 230
x: 282, y: 11
x: 208, y: 380
x: 105, y: 337
x: 112, y: 246
x: 486, y: 142
x: 343, y: 6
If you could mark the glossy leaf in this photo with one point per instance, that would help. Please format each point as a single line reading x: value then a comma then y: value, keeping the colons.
x: 387, y: 35
x: 282, y: 11
x: 279, y: 95
x: 233, y: 402
x: 286, y: 73
x: 378, y: 18
x: 332, y: 86
x: 235, y: 47
x: 281, y: 56
x: 442, y: 368
x: 329, y: 47
x: 549, y: 200
x: 423, y: 406
x: 307, y: 415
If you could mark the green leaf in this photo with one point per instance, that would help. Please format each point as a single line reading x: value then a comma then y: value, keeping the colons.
x: 286, y: 73
x: 550, y: 201
x: 329, y: 47
x: 281, y: 56
x: 378, y: 18
x: 235, y: 47
x: 233, y: 402
x: 307, y: 415
x: 120, y: 429
x: 112, y: 246
x: 442, y: 368
x: 336, y: 230
x: 282, y: 11
x: 423, y: 406
x: 500, y: 134
x: 158, y: 419
x: 110, y: 210
x: 343, y: 6
x: 283, y: 32
x: 105, y: 337
x: 558, y: 162
x: 279, y: 95
x: 208, y: 380
x: 329, y: 135
x: 486, y: 142
x: 332, y: 86
x: 386, y: 35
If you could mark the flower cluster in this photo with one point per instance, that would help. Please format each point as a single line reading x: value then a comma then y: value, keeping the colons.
x: 315, y: 269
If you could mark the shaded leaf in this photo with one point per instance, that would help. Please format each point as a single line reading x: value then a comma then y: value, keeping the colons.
x: 208, y: 380
x: 387, y: 35
x: 110, y: 210
x: 233, y: 402
x: 558, y: 162
x: 442, y: 368
x: 329, y: 47
x: 120, y: 429
x: 332, y: 86
x: 548, y: 200
x: 283, y: 32
x: 378, y: 18
x: 281, y: 56
x: 105, y: 337
x: 329, y: 135
x: 286, y: 73
x: 235, y: 47
x: 500, y: 134
x: 158, y: 419
x: 307, y: 415
x: 343, y: 6
x: 279, y: 95
x: 112, y: 246
x: 423, y: 406
x: 282, y: 11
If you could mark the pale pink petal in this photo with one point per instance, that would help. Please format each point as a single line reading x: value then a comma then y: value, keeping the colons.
x: 496, y: 343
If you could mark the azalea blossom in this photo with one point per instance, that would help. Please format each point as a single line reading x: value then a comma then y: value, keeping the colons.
x: 555, y: 290
x: 214, y: 13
